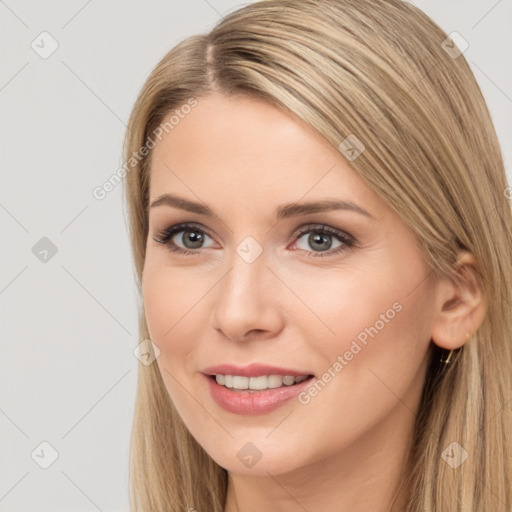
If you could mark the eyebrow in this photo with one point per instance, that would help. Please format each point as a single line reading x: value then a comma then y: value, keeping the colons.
x: 282, y: 212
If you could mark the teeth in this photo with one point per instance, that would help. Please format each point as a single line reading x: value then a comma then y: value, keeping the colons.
x: 288, y: 380
x: 240, y: 382
x: 258, y: 383
x: 274, y: 381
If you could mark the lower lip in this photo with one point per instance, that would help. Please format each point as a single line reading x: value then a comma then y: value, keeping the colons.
x: 256, y: 402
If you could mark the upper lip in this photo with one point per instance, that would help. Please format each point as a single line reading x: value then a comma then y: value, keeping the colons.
x: 253, y: 370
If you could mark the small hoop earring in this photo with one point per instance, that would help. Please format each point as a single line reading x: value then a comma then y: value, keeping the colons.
x: 447, y: 360
x: 450, y: 353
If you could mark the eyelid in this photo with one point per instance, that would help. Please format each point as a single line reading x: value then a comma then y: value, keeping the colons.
x: 346, y: 239
x: 323, y: 228
x: 164, y: 236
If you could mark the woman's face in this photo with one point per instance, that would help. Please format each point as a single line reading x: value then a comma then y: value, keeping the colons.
x: 336, y: 293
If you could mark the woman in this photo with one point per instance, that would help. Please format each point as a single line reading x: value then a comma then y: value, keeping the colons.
x: 321, y: 234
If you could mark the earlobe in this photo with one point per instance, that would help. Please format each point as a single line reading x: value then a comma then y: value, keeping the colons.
x: 460, y: 307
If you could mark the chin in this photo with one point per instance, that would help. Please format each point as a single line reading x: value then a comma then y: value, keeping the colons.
x: 256, y: 459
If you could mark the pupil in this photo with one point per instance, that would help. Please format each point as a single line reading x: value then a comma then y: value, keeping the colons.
x: 194, y: 238
x: 317, y: 238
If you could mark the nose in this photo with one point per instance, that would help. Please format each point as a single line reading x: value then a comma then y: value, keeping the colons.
x: 246, y: 302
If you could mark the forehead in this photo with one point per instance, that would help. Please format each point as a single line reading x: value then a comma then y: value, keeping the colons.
x: 241, y: 147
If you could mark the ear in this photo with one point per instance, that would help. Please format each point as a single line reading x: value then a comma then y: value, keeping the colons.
x: 460, y: 305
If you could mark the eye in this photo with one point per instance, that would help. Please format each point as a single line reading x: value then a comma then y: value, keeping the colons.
x: 320, y: 239
x: 192, y: 238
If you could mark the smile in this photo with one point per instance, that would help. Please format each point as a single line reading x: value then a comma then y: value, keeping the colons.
x: 248, y: 401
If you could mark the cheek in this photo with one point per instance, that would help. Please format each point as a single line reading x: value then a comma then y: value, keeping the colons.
x: 338, y: 305
x: 168, y: 293
x: 374, y: 363
x: 171, y: 298
x: 374, y: 316
x: 379, y: 351
x: 172, y: 302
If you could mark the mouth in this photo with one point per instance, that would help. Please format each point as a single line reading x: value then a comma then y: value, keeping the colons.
x: 234, y: 393
x: 257, y: 388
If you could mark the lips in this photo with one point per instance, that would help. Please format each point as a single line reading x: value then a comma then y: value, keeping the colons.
x: 247, y: 402
x: 254, y: 370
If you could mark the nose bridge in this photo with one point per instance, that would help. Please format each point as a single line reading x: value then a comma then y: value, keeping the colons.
x: 243, y: 302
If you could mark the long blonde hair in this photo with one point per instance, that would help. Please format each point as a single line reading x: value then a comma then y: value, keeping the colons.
x: 377, y: 70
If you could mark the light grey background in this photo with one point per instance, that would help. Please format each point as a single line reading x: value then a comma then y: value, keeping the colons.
x: 69, y: 323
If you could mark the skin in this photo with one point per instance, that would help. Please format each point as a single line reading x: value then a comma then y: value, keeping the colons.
x: 343, y: 450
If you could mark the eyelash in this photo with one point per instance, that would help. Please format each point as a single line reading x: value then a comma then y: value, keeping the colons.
x: 347, y: 240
